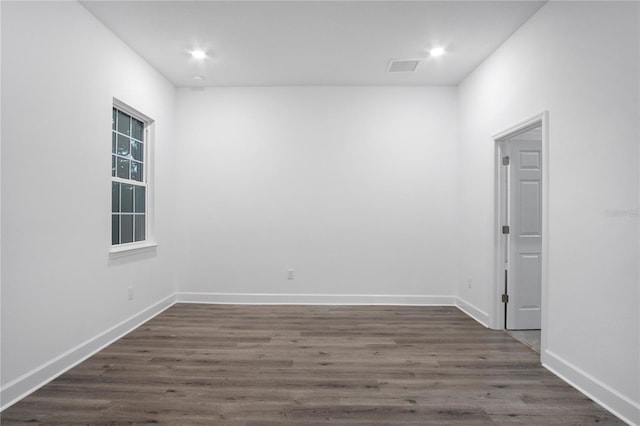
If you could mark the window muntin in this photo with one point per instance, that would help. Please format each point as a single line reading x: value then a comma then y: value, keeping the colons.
x: 128, y: 179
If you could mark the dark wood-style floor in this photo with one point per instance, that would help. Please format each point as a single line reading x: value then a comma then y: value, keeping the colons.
x: 309, y: 365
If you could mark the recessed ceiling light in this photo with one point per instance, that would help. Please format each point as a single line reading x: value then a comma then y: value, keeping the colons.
x: 198, y: 54
x: 436, y: 51
x: 198, y: 77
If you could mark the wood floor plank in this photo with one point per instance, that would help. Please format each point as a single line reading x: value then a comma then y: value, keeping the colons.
x: 309, y: 365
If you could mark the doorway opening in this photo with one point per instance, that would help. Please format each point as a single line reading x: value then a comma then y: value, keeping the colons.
x: 520, y: 232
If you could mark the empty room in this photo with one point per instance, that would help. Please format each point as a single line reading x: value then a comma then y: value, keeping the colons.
x: 320, y: 212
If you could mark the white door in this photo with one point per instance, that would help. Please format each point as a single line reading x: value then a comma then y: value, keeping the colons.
x: 524, y: 276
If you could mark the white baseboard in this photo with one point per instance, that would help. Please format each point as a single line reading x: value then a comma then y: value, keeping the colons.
x: 29, y: 382
x: 314, y: 299
x: 473, y: 311
x: 618, y: 404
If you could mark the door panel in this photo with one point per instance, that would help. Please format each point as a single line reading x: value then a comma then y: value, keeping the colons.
x: 525, y: 239
x: 530, y: 160
x: 530, y: 267
x: 530, y: 224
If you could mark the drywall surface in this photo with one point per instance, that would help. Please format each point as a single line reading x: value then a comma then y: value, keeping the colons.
x: 60, y: 71
x: 580, y: 62
x: 351, y: 187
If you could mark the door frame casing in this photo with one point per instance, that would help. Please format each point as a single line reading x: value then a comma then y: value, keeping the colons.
x: 497, y: 314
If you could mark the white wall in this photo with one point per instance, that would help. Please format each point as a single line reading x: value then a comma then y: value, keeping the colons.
x: 351, y: 187
x: 60, y: 71
x: 580, y: 61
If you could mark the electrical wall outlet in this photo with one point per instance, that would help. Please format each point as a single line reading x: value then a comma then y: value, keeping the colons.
x: 130, y: 293
x: 290, y: 274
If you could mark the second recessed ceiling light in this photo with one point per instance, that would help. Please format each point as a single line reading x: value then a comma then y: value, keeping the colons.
x: 198, y: 54
x: 437, y: 51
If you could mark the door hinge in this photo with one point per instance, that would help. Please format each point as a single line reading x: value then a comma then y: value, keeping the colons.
x: 505, y: 160
x: 505, y: 229
x: 505, y: 298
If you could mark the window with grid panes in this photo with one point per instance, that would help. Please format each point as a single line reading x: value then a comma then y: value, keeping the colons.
x: 128, y: 182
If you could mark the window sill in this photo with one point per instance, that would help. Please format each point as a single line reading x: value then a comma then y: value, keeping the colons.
x: 131, y: 249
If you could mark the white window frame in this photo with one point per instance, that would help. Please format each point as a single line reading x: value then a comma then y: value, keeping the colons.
x: 149, y: 242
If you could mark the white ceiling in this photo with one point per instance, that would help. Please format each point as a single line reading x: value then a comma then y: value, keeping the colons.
x: 272, y: 43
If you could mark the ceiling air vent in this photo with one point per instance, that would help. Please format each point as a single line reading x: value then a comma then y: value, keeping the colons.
x: 403, y: 65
